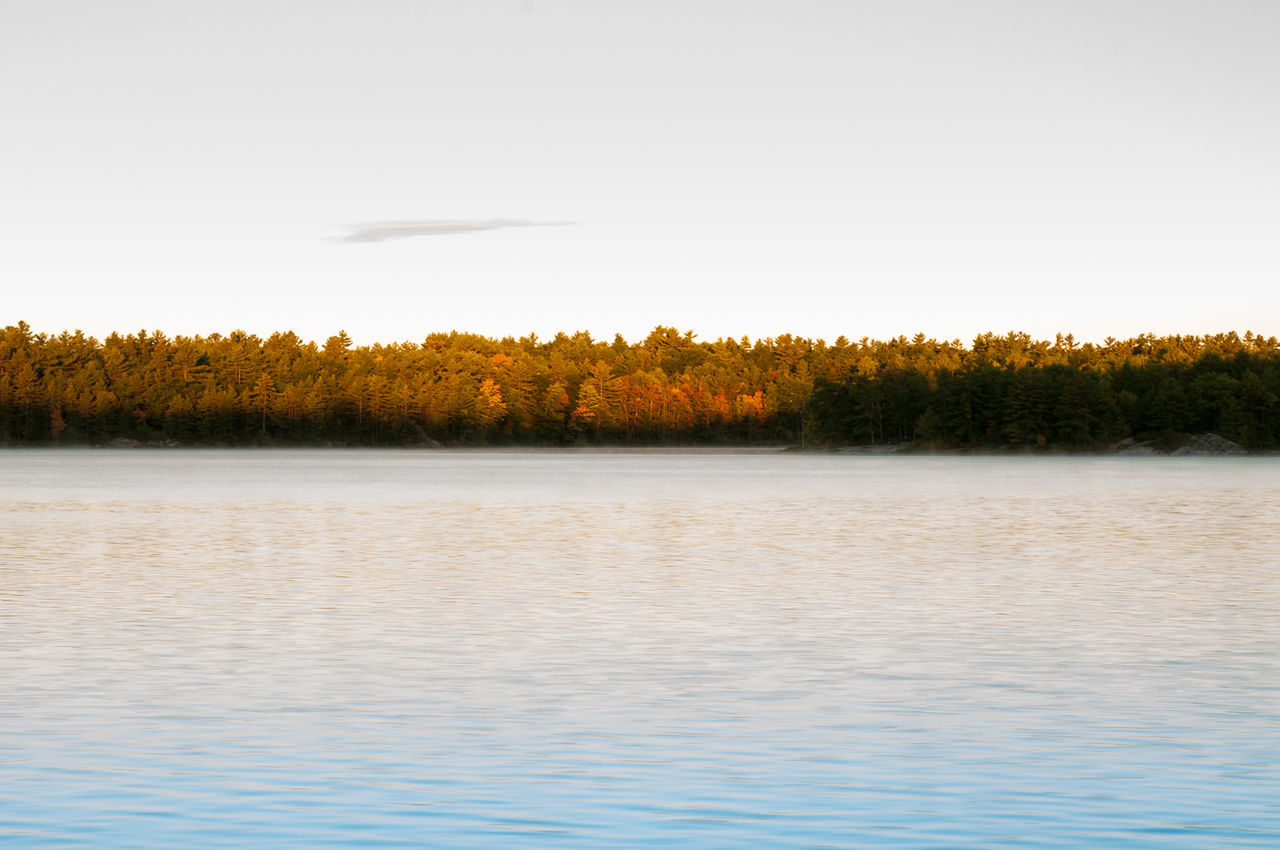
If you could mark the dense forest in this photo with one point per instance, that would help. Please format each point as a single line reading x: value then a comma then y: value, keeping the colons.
x: 463, y: 389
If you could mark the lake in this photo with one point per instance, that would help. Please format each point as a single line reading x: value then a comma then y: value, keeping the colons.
x: 206, y: 648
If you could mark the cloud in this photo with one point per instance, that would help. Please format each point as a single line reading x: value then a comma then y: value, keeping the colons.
x: 382, y: 231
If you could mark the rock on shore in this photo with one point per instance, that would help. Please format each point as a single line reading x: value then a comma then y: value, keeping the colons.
x: 1199, y: 445
x: 1210, y: 444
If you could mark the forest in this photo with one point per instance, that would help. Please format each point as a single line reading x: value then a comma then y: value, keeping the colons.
x: 457, y: 389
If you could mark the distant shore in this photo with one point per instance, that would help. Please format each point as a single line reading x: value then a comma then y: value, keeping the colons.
x: 1168, y: 445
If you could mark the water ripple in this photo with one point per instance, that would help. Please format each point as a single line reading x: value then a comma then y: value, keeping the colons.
x: 390, y: 648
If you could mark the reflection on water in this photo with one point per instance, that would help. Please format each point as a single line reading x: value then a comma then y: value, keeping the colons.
x: 458, y: 649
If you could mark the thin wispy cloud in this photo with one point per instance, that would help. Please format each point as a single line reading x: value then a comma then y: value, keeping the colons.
x: 383, y: 231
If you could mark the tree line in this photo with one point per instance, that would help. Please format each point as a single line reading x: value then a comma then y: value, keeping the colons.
x: 465, y: 389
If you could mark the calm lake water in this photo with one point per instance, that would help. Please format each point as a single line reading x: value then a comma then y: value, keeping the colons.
x: 368, y: 648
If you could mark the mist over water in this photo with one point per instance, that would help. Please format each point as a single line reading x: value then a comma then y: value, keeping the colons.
x: 331, y: 648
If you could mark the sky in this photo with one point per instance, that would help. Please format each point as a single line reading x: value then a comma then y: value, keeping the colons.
x: 731, y: 167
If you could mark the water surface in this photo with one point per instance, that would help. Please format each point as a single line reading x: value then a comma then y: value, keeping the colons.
x: 368, y: 648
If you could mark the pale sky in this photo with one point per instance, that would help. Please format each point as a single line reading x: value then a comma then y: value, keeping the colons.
x: 814, y: 167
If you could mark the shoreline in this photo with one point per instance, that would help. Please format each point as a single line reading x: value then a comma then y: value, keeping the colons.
x: 1136, y: 450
